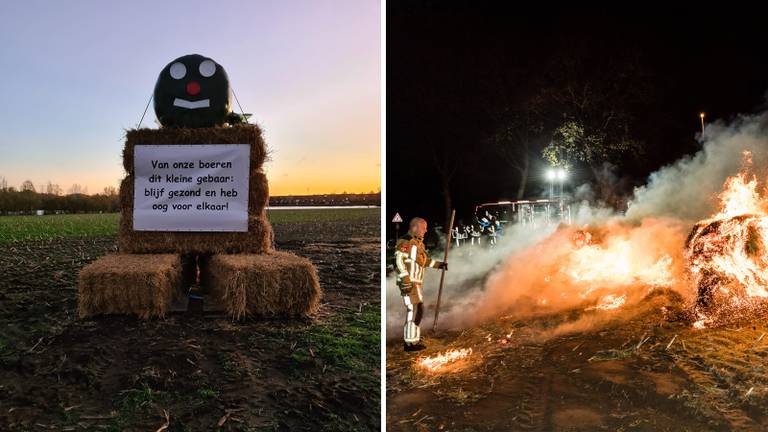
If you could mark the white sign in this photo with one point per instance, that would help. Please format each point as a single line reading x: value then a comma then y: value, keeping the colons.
x: 397, y: 218
x: 191, y: 187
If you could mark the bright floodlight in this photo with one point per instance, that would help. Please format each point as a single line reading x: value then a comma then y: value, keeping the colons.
x: 551, y: 174
x: 701, y: 115
x: 561, y: 174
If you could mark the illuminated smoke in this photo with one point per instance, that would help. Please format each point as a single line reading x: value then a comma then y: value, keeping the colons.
x: 615, y: 260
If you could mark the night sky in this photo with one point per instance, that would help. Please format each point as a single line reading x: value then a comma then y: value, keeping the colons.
x: 449, y: 75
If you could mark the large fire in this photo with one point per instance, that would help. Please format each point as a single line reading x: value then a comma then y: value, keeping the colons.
x: 725, y: 257
x: 721, y: 267
x: 726, y: 254
x: 614, y: 263
x: 603, y: 265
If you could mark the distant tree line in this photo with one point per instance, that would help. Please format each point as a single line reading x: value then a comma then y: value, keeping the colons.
x: 343, y: 199
x: 26, y: 200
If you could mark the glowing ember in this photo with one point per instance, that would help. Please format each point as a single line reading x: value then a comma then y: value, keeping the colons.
x: 727, y: 255
x: 437, y: 362
x: 609, y: 302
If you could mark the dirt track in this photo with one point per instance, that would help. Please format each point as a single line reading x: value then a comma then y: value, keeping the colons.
x: 525, y: 375
x: 120, y: 373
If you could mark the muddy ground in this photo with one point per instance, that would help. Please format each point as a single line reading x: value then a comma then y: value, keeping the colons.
x: 190, y: 373
x: 644, y: 369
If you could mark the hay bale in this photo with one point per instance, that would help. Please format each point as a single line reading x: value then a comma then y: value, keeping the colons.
x: 144, y: 285
x: 276, y: 284
x: 258, y: 238
x: 241, y: 134
x: 258, y: 193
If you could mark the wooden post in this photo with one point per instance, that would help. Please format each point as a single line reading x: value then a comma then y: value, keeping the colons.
x: 442, y: 274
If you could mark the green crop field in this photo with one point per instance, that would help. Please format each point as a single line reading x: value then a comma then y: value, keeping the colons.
x: 48, y: 227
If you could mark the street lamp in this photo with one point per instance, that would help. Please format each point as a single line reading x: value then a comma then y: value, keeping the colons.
x: 701, y: 116
x: 561, y: 174
x: 551, y: 176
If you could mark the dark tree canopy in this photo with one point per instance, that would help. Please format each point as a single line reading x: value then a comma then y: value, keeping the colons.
x: 480, y: 104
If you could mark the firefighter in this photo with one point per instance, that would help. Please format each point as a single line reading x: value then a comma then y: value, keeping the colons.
x: 411, y: 259
x: 456, y: 236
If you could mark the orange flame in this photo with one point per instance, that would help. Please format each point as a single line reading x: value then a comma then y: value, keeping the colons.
x: 439, y: 361
x: 610, y: 301
x: 617, y: 262
x: 728, y: 254
x: 739, y: 197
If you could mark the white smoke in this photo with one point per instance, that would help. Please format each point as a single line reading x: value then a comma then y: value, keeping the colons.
x: 688, y: 188
x: 485, y: 283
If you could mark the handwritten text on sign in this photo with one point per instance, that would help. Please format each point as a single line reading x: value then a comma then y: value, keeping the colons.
x: 191, y: 187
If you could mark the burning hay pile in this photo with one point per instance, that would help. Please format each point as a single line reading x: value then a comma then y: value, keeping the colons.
x: 727, y: 255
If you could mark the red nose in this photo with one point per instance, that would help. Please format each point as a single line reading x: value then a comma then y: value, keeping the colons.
x: 193, y: 88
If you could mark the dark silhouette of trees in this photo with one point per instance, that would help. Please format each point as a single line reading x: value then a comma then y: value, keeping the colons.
x: 27, y: 186
x: 519, y: 140
x: 28, y: 201
x: 580, y: 110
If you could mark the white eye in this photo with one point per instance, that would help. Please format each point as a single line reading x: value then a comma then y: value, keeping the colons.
x: 207, y: 68
x: 178, y: 70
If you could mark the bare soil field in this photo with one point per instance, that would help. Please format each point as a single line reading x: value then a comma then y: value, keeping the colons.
x: 646, y: 369
x: 189, y: 372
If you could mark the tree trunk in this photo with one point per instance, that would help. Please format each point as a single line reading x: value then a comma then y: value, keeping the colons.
x: 523, y: 178
x: 447, y: 203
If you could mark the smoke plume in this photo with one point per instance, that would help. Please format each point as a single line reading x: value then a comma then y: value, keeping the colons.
x: 626, y: 255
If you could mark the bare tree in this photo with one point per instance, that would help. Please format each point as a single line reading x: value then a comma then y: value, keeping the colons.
x: 110, y: 191
x: 75, y: 189
x: 27, y: 186
x: 589, y: 101
x: 52, y: 189
x: 518, y: 140
x: 446, y: 164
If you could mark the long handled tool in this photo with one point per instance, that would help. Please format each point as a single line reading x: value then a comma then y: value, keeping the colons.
x: 442, y: 274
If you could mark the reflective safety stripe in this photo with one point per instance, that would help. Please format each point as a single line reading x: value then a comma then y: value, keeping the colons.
x: 419, y: 295
x: 408, y: 308
x: 414, y: 264
x: 400, y: 261
x: 411, y: 332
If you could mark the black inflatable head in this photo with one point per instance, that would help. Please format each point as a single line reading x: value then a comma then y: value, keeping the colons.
x: 192, y: 91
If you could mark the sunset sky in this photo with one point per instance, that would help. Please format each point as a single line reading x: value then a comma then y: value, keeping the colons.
x: 75, y: 75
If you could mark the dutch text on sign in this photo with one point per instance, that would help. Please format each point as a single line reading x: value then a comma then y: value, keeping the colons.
x: 191, y: 187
